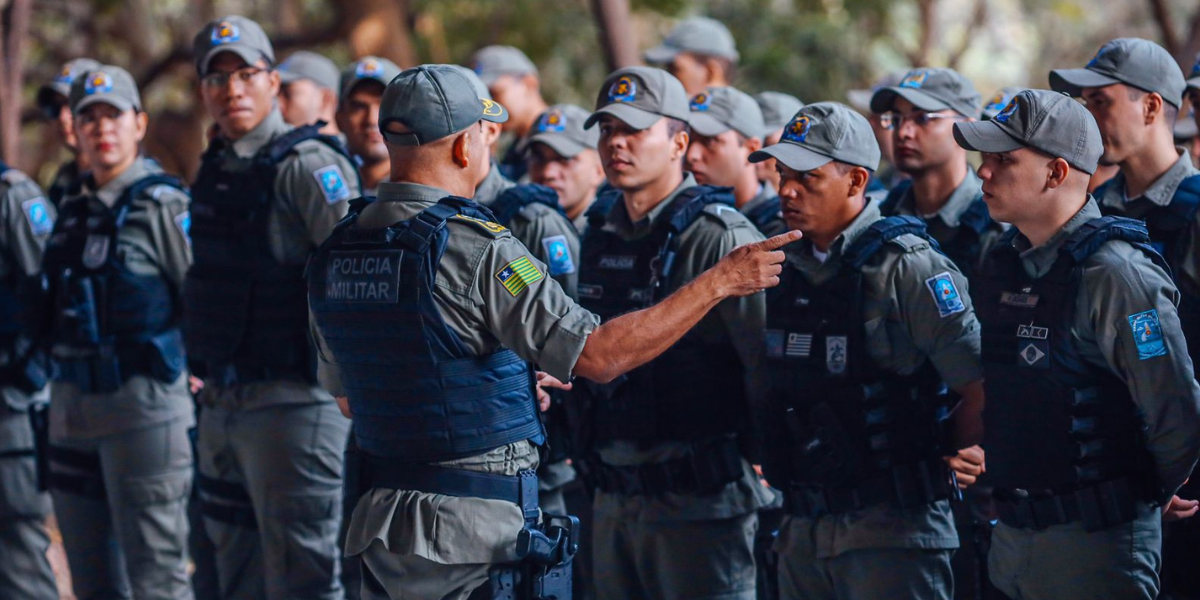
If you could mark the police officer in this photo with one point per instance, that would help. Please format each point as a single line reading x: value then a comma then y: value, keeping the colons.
x: 309, y: 91
x: 867, y: 323
x: 942, y: 189
x: 513, y: 81
x: 676, y: 500
x: 1092, y: 409
x: 886, y: 177
x: 270, y: 439
x: 53, y: 104
x: 120, y: 458
x: 777, y: 110
x: 447, y: 494
x: 27, y: 219
x: 562, y: 156
x: 699, y: 52
x: 361, y: 88
x: 726, y: 128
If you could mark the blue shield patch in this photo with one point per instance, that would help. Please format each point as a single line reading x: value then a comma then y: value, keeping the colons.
x: 945, y: 294
x: 558, y: 255
x: 1147, y: 335
x: 38, y: 216
x: 797, y: 130
x: 623, y: 90
x: 333, y: 184
x: 1007, y: 112
x: 225, y: 33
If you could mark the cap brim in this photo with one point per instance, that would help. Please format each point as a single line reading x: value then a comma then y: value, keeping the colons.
x: 1193, y: 84
x: 561, y: 144
x: 250, y: 55
x: 661, y: 54
x: 121, y: 104
x: 289, y: 76
x: 707, y: 125
x: 353, y: 85
x: 985, y: 136
x: 883, y: 99
x: 795, y: 156
x: 1072, y: 81
x: 629, y: 114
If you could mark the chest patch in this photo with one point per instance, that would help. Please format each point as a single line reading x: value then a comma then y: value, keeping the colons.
x: 364, y: 277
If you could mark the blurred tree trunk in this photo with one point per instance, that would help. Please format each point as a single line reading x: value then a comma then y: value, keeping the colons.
x: 1183, y: 47
x: 14, y: 29
x: 620, y: 46
x: 380, y: 28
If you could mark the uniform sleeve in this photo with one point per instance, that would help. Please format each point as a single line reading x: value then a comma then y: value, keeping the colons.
x: 171, y: 243
x: 529, y: 312
x: 1130, y: 306
x: 934, y: 305
x: 318, y: 183
x: 554, y: 241
x: 28, y: 222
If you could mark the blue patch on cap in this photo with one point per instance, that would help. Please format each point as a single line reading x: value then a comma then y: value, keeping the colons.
x: 368, y: 67
x: 914, y: 80
x: 98, y: 83
x: 945, y: 294
x: 1147, y: 335
x: 225, y: 33
x: 333, y: 185
x: 554, y: 121
x: 66, y: 76
x: 624, y: 89
x: 797, y: 130
x: 38, y: 216
x: 1007, y: 112
x: 558, y: 255
x: 700, y: 102
x: 998, y: 102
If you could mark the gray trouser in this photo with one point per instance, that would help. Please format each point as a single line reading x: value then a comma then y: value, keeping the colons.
x: 1064, y: 561
x: 871, y: 574
x: 388, y: 576
x: 271, y: 486
x: 25, y: 572
x: 121, y: 503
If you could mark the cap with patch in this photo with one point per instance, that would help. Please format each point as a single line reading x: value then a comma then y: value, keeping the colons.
x: 1132, y: 61
x: 1047, y: 121
x: 433, y: 101
x: 720, y: 109
x: 492, y: 62
x: 640, y: 96
x: 561, y: 128
x: 823, y: 132
x: 777, y: 109
x: 109, y: 85
x: 231, y: 33
x: 367, y: 68
x: 999, y: 101
x: 310, y: 66
x: 695, y: 35
x: 931, y: 89
x: 61, y: 84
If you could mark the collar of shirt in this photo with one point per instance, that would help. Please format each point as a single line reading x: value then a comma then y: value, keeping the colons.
x: 801, y: 256
x: 957, y: 204
x: 1161, y: 192
x: 398, y: 202
x: 1037, y: 261
x: 492, y: 186
x: 264, y: 132
x: 109, y: 192
x: 618, y: 218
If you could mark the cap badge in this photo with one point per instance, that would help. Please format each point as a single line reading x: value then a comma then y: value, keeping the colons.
x: 623, y: 89
x: 225, y: 33
x: 1099, y: 53
x: 368, y: 67
x: 1007, y: 112
x: 490, y: 108
x: 915, y: 79
x: 797, y: 130
x: 66, y: 76
x: 552, y: 122
x: 98, y: 83
x: 700, y: 102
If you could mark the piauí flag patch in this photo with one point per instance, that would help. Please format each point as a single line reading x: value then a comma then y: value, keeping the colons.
x: 518, y: 275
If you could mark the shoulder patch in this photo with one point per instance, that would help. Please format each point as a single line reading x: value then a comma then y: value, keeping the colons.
x: 488, y: 226
x: 518, y: 275
x: 183, y: 221
x: 558, y: 255
x: 1147, y: 335
x: 945, y: 294
x: 38, y: 216
x: 333, y: 183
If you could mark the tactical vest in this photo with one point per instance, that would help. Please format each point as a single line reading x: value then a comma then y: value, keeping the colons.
x: 693, y: 390
x: 965, y: 245
x: 247, y: 314
x: 110, y: 324
x: 765, y: 215
x: 851, y: 423
x: 417, y: 393
x: 1055, y: 422
x: 512, y: 201
x: 21, y: 304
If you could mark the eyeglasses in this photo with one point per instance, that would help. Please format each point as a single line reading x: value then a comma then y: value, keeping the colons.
x: 218, y: 79
x: 921, y: 119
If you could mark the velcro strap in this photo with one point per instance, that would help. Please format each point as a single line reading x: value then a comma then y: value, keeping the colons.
x: 1099, y: 506
x: 386, y: 473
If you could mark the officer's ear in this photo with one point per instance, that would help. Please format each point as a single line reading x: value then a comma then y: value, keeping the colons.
x: 859, y: 178
x: 752, y: 145
x: 143, y: 123
x: 460, y: 150
x: 275, y: 82
x: 1057, y: 174
x: 1152, y: 107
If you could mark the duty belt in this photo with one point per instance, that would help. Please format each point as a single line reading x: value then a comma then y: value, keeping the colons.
x: 1099, y: 506
x: 903, y: 486
x: 706, y: 468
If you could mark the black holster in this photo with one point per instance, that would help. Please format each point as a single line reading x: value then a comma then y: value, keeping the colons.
x: 547, y: 556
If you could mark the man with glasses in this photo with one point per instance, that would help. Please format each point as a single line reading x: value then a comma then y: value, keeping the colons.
x: 52, y: 102
x: 270, y: 439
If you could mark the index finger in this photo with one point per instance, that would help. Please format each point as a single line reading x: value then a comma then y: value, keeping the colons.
x: 778, y: 241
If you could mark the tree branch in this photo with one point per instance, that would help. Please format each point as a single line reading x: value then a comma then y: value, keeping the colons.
x: 978, y: 18
x: 1162, y: 16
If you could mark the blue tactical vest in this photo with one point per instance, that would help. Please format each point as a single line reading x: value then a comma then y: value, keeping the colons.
x: 964, y: 245
x: 848, y: 420
x: 1055, y: 422
x: 693, y: 390
x: 21, y: 313
x: 510, y: 202
x: 417, y: 393
x: 246, y: 314
x: 109, y: 323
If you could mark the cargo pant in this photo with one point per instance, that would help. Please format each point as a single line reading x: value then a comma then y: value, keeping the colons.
x: 25, y: 572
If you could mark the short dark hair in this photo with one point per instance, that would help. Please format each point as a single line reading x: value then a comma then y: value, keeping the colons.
x: 1170, y: 111
x: 675, y: 126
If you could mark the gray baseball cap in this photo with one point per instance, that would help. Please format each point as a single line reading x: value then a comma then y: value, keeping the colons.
x: 310, y: 66
x: 821, y: 133
x: 861, y: 99
x: 1131, y: 61
x: 640, y: 96
x: 231, y: 33
x: 367, y: 68
x: 61, y: 84
x: 720, y: 109
x: 492, y: 62
x: 106, y: 84
x: 999, y: 101
x: 1047, y: 121
x: 931, y: 89
x: 561, y: 128
x: 777, y: 109
x: 695, y: 35
x: 433, y: 101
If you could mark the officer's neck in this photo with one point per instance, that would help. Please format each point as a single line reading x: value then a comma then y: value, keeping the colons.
x: 375, y: 173
x: 1142, y: 168
x: 1062, y: 207
x: 102, y: 175
x: 639, y: 202
x: 747, y: 187
x: 839, y: 223
x: 932, y: 188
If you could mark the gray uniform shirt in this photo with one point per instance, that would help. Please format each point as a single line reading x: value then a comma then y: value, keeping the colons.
x: 1119, y: 281
x: 943, y: 225
x: 153, y: 242
x: 301, y: 217
x: 904, y: 328
x: 540, y: 323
